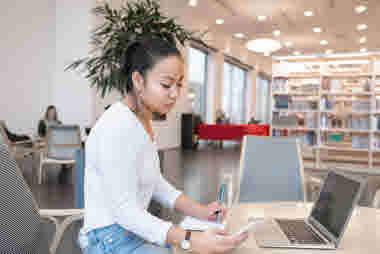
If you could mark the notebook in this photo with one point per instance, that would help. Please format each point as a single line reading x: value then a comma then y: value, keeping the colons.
x: 195, y: 224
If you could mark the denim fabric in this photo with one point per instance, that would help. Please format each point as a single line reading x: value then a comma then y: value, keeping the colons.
x: 115, y: 240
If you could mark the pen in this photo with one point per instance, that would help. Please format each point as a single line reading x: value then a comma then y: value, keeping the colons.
x: 220, y: 200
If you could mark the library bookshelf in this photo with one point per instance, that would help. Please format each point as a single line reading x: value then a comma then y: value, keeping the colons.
x: 333, y: 106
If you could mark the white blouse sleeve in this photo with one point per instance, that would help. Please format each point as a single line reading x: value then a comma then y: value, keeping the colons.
x: 165, y: 193
x: 118, y: 159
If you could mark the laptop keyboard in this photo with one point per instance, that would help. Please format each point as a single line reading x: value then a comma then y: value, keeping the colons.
x: 298, y: 232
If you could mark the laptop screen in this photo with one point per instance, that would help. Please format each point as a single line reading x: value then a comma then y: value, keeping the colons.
x: 335, y: 202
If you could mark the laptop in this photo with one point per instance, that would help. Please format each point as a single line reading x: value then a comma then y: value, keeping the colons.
x: 324, y: 227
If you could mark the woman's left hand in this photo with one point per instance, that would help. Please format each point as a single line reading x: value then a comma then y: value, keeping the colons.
x: 210, y: 211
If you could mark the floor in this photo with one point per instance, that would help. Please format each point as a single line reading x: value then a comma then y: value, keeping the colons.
x: 198, y: 173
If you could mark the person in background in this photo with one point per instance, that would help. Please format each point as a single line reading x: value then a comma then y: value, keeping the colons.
x: 123, y: 169
x: 50, y: 118
x: 220, y: 117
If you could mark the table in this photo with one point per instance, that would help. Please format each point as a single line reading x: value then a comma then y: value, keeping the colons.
x: 362, y: 235
x: 231, y: 131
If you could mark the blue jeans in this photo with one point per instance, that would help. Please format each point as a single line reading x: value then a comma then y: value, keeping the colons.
x: 114, y: 240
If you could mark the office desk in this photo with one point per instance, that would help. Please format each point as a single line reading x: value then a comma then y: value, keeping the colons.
x: 361, y: 237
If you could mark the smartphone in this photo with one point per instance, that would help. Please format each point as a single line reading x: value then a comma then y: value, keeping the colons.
x: 247, y: 227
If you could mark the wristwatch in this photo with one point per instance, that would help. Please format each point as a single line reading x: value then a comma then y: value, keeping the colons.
x: 185, y: 244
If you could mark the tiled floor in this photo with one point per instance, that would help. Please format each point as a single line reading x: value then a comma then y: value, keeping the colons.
x: 198, y: 173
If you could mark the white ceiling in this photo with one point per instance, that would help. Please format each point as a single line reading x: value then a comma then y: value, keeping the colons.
x: 337, y: 18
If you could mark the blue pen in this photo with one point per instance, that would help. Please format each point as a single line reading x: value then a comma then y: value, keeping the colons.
x: 220, y: 199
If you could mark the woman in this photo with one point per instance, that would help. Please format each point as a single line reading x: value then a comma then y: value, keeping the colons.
x: 122, y: 166
x: 50, y: 118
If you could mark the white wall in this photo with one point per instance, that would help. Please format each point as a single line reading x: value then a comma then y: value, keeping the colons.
x: 71, y: 92
x: 27, y: 49
x: 38, y: 39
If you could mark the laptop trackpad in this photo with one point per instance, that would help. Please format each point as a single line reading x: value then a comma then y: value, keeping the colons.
x: 269, y: 234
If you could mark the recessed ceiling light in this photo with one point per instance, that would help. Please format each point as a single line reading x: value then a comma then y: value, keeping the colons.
x: 219, y: 21
x: 317, y: 30
x: 296, y: 53
x: 360, y: 8
x: 193, y: 3
x: 308, y: 13
x: 363, y: 50
x: 288, y: 44
x: 363, y: 39
x: 261, y: 17
x: 329, y: 51
x: 239, y: 35
x: 324, y: 42
x: 361, y: 26
x: 276, y: 32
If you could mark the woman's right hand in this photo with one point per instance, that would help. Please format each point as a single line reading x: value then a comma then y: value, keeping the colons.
x: 215, y: 241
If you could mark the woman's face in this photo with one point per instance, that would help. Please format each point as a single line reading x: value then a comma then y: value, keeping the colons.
x: 163, y: 85
x: 51, y: 114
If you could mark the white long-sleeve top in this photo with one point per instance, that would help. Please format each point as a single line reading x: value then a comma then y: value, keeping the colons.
x: 122, y: 174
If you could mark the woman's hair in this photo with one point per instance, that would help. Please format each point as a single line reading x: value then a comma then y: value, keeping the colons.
x: 142, y: 56
x: 47, y: 112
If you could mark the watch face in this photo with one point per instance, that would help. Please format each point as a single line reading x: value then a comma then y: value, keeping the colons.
x: 185, y: 244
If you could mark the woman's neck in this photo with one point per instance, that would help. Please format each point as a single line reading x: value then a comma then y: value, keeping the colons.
x: 142, y: 113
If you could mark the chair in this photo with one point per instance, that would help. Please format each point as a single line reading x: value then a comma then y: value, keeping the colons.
x: 62, y: 143
x: 19, y: 148
x: 376, y: 200
x: 23, y: 230
x: 271, y: 169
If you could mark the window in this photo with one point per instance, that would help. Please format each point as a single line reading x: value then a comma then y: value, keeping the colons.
x: 262, y: 100
x: 198, y: 80
x: 234, y: 93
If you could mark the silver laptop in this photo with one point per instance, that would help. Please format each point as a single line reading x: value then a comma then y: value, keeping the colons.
x: 324, y: 227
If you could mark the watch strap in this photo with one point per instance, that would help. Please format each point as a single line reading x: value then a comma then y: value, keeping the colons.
x: 188, y: 235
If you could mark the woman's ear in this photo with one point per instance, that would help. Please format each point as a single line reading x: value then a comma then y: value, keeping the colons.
x: 138, y: 81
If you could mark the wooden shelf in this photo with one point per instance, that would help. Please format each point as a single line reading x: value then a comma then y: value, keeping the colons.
x: 295, y: 93
x: 343, y: 149
x: 345, y: 130
x: 352, y: 113
x: 294, y: 111
x: 313, y: 75
x: 344, y: 75
x: 293, y: 128
x: 346, y: 93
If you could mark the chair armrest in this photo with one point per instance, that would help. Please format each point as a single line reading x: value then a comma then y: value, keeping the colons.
x: 22, y: 142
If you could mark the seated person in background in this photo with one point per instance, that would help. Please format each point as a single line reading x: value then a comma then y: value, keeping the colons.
x: 253, y: 121
x: 49, y: 119
x: 221, y: 117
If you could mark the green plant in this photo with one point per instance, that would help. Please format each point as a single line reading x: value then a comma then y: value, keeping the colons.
x: 110, y: 41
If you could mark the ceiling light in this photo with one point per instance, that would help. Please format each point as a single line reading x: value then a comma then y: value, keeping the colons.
x: 324, y: 42
x: 363, y: 50
x: 219, y: 21
x: 239, y: 35
x: 329, y: 51
x: 363, y: 39
x: 266, y: 46
x: 361, y: 27
x: 193, y: 3
x: 308, y: 13
x: 276, y: 32
x: 317, y: 29
x: 261, y: 17
x: 296, y: 53
x: 360, y: 8
x: 288, y: 44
